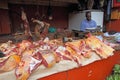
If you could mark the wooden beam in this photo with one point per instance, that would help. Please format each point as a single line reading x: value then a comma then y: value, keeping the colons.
x: 44, y: 2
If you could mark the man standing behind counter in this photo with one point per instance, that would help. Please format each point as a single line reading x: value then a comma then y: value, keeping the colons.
x: 88, y: 22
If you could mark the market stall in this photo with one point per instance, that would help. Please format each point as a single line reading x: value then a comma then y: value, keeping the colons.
x: 47, y: 44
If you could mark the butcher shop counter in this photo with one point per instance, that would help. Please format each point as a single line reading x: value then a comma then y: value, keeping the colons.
x: 97, y: 70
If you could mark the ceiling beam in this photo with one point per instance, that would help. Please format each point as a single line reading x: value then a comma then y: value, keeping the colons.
x: 67, y: 1
x: 44, y: 2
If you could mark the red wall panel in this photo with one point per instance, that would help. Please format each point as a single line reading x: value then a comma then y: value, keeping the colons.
x: 113, y: 25
x: 4, y: 22
x: 116, y: 3
x: 58, y: 76
x: 98, y: 70
x: 60, y: 15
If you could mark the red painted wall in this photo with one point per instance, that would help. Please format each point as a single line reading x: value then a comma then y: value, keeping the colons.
x: 113, y: 25
x: 4, y: 22
x: 60, y: 15
x: 116, y: 3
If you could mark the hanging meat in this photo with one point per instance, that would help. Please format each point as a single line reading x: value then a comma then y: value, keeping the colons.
x: 41, y: 28
x: 26, y: 24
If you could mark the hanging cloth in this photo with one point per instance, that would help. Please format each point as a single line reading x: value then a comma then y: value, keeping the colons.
x: 109, y: 5
x: 90, y: 4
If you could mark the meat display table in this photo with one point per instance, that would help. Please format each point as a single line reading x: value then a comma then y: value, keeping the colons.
x: 88, y: 59
x: 97, y: 70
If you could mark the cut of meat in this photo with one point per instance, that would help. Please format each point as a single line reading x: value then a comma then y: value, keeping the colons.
x: 48, y: 58
x: 77, y: 45
x: 26, y: 66
x: 76, y: 57
x: 63, y: 54
x: 10, y: 63
x: 99, y: 47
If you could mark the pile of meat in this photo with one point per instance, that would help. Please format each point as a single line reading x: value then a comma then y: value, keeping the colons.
x: 26, y: 56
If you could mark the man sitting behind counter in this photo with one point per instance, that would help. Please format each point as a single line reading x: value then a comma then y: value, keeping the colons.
x: 88, y: 23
